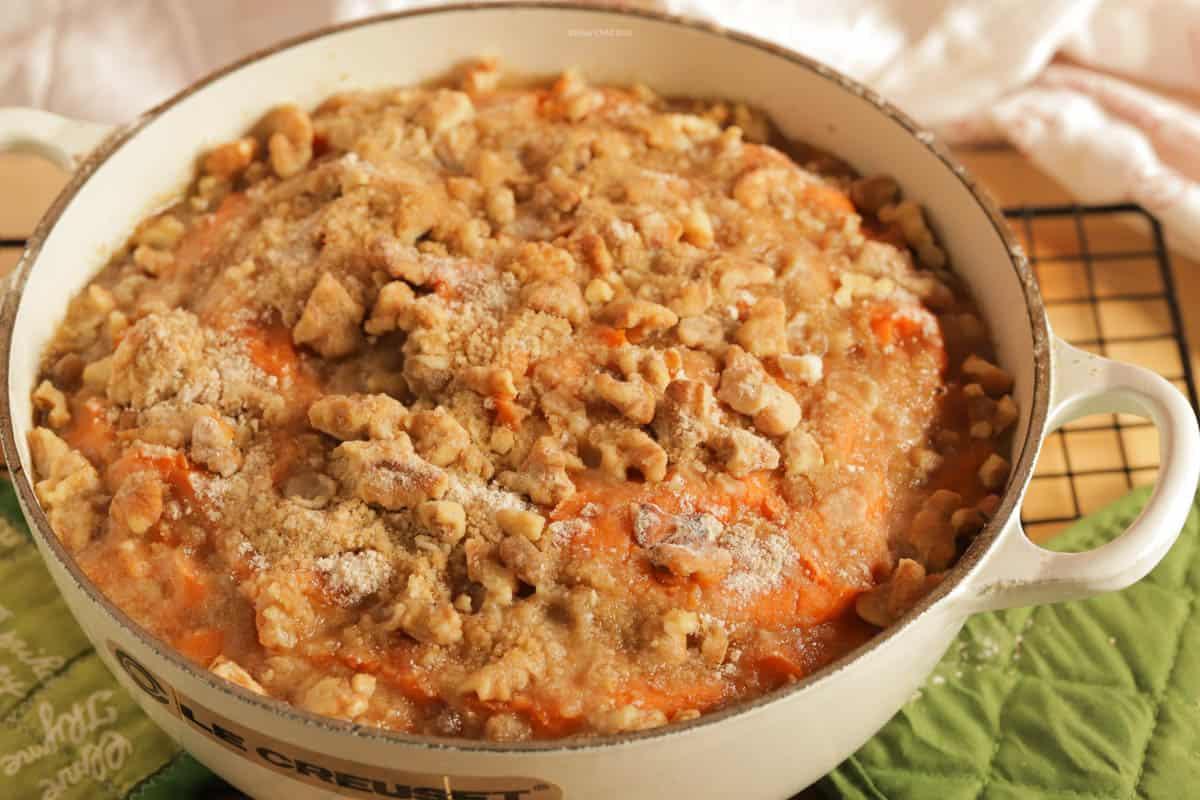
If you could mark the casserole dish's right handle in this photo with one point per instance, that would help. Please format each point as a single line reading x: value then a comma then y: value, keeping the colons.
x: 1020, y: 573
x: 64, y: 141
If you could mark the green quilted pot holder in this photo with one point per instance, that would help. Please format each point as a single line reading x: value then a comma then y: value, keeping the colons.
x: 69, y: 731
x: 1089, y: 700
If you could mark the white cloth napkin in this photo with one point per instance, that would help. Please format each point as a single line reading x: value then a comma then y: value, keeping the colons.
x: 974, y: 70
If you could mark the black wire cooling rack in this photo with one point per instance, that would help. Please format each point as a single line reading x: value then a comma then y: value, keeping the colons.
x: 1108, y: 289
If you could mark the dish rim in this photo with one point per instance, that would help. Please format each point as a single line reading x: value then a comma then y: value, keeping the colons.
x: 966, y: 564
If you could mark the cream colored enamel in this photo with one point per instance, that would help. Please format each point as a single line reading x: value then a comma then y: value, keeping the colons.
x: 771, y: 749
x: 63, y: 141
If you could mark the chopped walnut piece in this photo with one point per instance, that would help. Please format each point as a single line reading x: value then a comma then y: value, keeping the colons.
x: 633, y: 398
x: 926, y: 462
x: 692, y: 299
x: 626, y: 718
x: 737, y: 275
x: 481, y: 77
x: 911, y: 219
x: 517, y: 522
x: 154, y: 262
x: 213, y: 446
x: 988, y: 417
x: 490, y: 381
x: 235, y: 673
x: 747, y: 389
x: 438, y: 437
x: 687, y: 416
x: 483, y: 567
x: 1006, y: 414
x: 502, y: 440
x: 993, y: 472
x: 521, y: 555
x: 228, y: 160
x: 623, y: 449
x: 340, y: 697
x: 708, y: 562
x: 967, y: 521
x: 138, y: 502
x: 501, y: 205
x: 671, y: 642
x: 544, y: 476
x: 697, y: 226
x: 445, y: 110
x: 358, y: 416
x: 423, y: 612
x: 873, y: 193
x: 283, y: 614
x: 991, y: 378
x: 887, y: 602
x: 764, y: 333
x: 756, y: 185
x: 426, y: 364
x: 744, y: 452
x: 560, y: 297
x: 387, y: 473
x: 658, y: 367
x: 638, y: 316
x: 856, y: 286
x: 153, y: 355
x: 930, y: 534
x: 507, y: 727
x: 48, y: 400
x: 780, y: 412
x: 289, y: 134
x: 66, y: 488
x: 504, y: 677
x: 683, y: 544
x: 596, y: 254
x: 714, y: 642
x: 162, y: 232
x: 330, y: 320
x: 392, y: 309
x: 802, y: 453
x: 536, y: 261
x: 704, y: 333
x: 597, y: 292
x: 445, y: 518
x: 742, y: 382
x: 67, y: 371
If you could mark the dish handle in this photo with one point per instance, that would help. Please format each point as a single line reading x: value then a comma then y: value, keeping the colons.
x: 1019, y: 572
x: 64, y: 141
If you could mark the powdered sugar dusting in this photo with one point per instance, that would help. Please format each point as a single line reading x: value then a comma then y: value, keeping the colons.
x: 758, y: 562
x: 352, y: 576
x: 478, y: 493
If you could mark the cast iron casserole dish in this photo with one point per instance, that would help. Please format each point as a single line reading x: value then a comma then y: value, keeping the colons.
x: 770, y: 747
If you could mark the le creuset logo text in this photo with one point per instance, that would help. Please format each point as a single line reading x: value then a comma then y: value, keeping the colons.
x: 332, y: 774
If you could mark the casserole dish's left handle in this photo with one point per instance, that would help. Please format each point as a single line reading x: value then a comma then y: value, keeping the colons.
x: 1019, y: 573
x: 64, y: 141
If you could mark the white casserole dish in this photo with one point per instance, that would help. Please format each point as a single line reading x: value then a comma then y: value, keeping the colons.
x: 769, y: 748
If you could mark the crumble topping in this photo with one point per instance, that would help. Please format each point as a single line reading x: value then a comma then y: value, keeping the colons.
x: 521, y: 412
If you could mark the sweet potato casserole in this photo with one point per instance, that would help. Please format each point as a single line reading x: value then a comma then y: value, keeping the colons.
x: 520, y: 412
